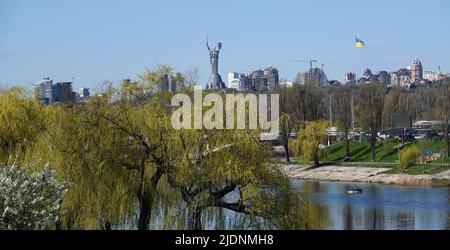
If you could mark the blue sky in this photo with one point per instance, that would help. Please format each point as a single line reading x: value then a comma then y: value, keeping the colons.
x: 97, y: 40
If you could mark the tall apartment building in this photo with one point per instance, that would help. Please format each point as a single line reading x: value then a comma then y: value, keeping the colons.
x: 257, y: 80
x: 416, y: 70
x: 44, y: 91
x: 49, y: 93
x: 349, y: 78
x: 273, y: 79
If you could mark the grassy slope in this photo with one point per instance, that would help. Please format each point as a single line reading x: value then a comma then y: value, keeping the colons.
x: 385, y: 152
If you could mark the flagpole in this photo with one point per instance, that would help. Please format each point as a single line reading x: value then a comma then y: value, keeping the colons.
x: 356, y: 57
x: 356, y: 82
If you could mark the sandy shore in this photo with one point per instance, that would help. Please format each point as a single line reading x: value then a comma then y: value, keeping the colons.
x: 362, y: 174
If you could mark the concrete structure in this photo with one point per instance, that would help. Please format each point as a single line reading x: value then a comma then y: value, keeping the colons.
x: 401, y: 78
x: 273, y: 79
x: 236, y: 81
x: 215, y: 81
x: 314, y: 76
x: 432, y: 76
x: 44, y: 90
x: 384, y: 78
x: 416, y: 70
x: 286, y: 83
x: 349, y: 78
x: 177, y: 82
x: 62, y: 92
x: 380, y: 77
x: 84, y: 92
x: 258, y: 80
x: 367, y: 73
x: 49, y: 93
x: 334, y: 83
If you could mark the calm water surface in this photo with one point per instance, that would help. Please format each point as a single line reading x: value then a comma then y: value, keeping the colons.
x: 377, y: 207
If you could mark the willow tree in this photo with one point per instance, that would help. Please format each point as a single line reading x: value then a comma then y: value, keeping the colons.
x: 310, y: 140
x: 21, y: 122
x: 88, y: 153
x: 225, y: 169
x: 288, y: 118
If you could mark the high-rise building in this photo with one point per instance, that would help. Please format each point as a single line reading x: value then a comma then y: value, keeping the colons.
x: 384, y: 78
x: 49, y: 93
x: 236, y: 81
x: 273, y: 79
x: 62, y: 92
x: 44, y: 90
x: 349, y: 78
x: 401, y: 78
x: 367, y: 73
x: 416, y: 70
x: 313, y: 76
x: 84, y: 92
x: 258, y: 80
x: 176, y: 82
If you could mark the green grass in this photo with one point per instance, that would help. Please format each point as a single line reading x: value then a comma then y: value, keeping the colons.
x: 361, y: 151
x: 384, y: 151
x: 423, y: 169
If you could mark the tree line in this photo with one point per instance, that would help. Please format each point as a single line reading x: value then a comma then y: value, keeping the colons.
x: 369, y: 107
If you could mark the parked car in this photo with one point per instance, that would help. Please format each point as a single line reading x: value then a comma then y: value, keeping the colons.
x: 409, y: 138
x: 432, y: 135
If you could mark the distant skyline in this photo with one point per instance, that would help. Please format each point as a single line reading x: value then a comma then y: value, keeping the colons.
x: 89, y: 42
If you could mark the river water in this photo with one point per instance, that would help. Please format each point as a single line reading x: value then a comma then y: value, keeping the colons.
x: 377, y: 207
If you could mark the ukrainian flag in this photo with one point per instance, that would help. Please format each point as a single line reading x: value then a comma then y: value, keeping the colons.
x: 359, y: 43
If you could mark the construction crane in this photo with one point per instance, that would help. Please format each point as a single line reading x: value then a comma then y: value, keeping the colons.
x: 311, y: 61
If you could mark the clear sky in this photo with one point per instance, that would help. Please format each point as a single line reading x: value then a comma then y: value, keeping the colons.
x: 96, y: 40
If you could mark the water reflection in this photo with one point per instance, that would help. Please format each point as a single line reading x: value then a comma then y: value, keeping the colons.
x: 378, y: 207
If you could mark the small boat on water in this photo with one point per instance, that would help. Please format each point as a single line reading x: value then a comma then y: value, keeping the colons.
x: 354, y: 190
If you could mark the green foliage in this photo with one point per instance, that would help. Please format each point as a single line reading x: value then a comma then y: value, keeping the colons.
x: 21, y: 121
x: 125, y: 163
x: 310, y: 139
x: 408, y: 157
x: 361, y: 151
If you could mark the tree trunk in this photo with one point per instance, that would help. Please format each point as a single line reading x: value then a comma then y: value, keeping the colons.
x: 286, y: 149
x: 372, y: 145
x: 106, y: 225
x: 347, y: 146
x: 145, y: 198
x: 316, y: 160
x: 195, y: 218
x: 145, y: 207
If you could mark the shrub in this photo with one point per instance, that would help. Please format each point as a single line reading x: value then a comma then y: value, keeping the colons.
x: 408, y: 157
x: 29, y: 200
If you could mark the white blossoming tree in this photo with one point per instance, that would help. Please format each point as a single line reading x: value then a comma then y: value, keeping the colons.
x: 29, y: 201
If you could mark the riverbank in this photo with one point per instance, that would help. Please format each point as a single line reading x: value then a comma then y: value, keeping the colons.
x: 364, y: 174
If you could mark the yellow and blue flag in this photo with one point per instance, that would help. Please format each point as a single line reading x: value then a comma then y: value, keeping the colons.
x: 359, y: 43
